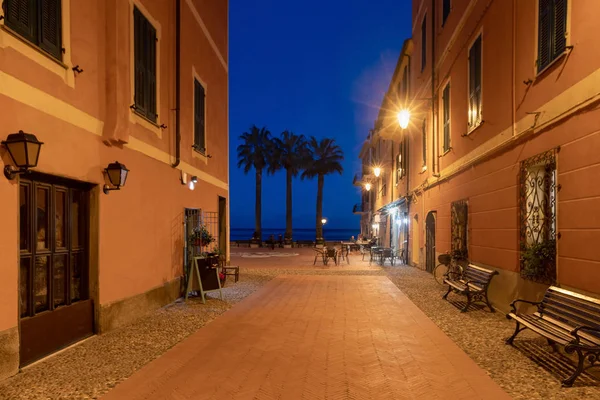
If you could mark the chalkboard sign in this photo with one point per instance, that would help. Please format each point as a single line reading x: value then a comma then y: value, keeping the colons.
x: 204, y: 277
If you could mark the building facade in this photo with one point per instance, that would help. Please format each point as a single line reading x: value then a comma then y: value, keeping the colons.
x: 502, y: 140
x: 143, y: 82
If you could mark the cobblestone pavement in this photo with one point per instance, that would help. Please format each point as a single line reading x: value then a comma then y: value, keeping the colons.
x: 86, y: 371
x: 315, y: 337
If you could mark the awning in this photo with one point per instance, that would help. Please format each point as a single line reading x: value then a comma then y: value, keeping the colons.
x: 398, y: 203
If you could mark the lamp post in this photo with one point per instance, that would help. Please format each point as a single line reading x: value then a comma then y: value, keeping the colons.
x: 117, y: 175
x: 24, y: 151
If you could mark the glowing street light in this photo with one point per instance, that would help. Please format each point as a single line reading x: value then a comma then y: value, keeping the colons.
x: 377, y: 171
x: 368, y: 186
x: 324, y: 221
x: 403, y: 118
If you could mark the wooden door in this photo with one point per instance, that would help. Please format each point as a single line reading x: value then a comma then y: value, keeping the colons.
x: 430, y: 242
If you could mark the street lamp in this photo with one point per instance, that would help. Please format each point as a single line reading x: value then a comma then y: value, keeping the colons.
x: 403, y: 118
x: 377, y: 171
x: 367, y: 186
x: 324, y: 221
x: 24, y: 150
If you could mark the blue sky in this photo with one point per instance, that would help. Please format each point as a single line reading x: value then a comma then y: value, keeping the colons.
x: 317, y: 68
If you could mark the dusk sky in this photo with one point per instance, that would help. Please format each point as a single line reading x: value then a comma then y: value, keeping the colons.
x: 316, y: 68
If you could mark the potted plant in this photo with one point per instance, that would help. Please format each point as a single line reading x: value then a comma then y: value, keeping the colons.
x: 538, y: 261
x: 201, y: 237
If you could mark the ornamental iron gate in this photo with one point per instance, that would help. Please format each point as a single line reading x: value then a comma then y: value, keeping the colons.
x: 459, y: 220
x: 537, y: 206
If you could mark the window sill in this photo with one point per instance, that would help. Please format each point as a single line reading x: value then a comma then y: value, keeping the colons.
x: 138, y: 118
x: 199, y: 154
x: 10, y: 38
x: 445, y: 152
x: 472, y: 129
x: 423, y: 170
x: 551, y: 64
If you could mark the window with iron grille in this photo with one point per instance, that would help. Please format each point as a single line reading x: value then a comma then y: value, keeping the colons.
x: 445, y: 10
x: 537, y: 206
x: 37, y: 21
x: 199, y: 117
x: 475, y: 83
x: 459, y: 224
x: 145, y: 66
x: 446, y: 116
x: 423, y: 43
x: 552, y: 29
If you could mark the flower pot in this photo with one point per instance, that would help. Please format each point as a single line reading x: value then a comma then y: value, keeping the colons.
x: 198, y: 242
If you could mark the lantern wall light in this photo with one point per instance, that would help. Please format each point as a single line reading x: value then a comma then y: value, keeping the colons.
x: 377, y: 171
x: 117, y: 175
x: 367, y: 186
x: 403, y: 118
x: 24, y: 151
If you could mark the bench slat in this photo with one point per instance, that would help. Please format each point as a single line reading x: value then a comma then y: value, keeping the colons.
x: 531, y: 324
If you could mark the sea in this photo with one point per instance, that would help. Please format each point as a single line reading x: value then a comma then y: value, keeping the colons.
x: 331, y: 234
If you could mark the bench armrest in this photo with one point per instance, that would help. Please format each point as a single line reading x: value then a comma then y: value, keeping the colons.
x: 533, y: 303
x: 575, y: 332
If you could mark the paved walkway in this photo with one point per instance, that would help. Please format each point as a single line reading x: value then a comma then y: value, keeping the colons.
x: 315, y: 337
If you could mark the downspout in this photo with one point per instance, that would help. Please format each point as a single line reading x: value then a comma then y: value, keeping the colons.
x: 514, y: 67
x: 177, y: 84
x: 436, y: 161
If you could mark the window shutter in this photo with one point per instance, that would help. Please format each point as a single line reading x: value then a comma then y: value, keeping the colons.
x: 560, y: 27
x: 199, y: 98
x: 445, y: 11
x: 21, y: 16
x: 151, y: 72
x: 446, y: 105
x: 544, y: 34
x: 139, y: 99
x: 50, y: 35
x: 424, y: 141
x: 423, y: 43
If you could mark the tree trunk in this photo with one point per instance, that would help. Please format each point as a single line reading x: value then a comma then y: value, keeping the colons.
x: 258, y: 204
x: 288, y: 205
x: 319, y: 229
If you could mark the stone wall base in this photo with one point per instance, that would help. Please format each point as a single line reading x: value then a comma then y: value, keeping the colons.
x: 124, y: 312
x: 9, y: 352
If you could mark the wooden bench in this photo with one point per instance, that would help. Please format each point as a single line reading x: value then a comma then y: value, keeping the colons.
x: 473, y: 283
x: 566, y: 318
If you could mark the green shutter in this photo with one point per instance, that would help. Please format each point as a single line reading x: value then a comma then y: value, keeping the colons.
x: 21, y: 16
x: 446, y: 116
x: 50, y: 27
x: 560, y: 27
x: 544, y: 33
x: 145, y: 66
x: 199, y: 128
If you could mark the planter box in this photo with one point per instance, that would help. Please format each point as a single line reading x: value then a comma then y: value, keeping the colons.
x: 254, y: 245
x: 287, y: 246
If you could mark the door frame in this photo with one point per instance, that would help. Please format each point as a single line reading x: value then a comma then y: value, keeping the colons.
x: 430, y: 228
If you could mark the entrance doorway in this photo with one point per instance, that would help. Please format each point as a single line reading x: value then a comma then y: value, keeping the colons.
x: 430, y: 242
x: 54, y: 299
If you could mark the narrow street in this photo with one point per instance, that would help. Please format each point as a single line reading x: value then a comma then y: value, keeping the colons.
x: 315, y: 337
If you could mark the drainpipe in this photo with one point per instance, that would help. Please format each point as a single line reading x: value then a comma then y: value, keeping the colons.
x: 177, y: 83
x: 436, y: 161
x: 514, y: 67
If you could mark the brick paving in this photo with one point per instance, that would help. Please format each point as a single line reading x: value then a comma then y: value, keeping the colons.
x: 315, y: 337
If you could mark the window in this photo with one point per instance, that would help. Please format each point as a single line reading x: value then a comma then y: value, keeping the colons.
x: 537, y: 204
x: 401, y: 160
x: 145, y: 66
x: 403, y: 87
x: 458, y: 226
x: 445, y: 10
x: 199, y: 117
x: 37, y: 21
x: 446, y: 116
x: 424, y: 142
x: 475, y: 83
x: 423, y: 43
x: 552, y: 27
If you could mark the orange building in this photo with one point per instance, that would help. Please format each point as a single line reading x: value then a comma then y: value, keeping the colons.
x: 143, y: 82
x: 502, y: 141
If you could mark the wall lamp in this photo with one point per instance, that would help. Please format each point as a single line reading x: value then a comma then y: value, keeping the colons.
x: 193, y: 181
x: 117, y: 175
x: 24, y: 150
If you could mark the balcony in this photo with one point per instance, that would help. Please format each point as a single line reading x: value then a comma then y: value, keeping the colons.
x: 361, y: 179
x: 359, y: 209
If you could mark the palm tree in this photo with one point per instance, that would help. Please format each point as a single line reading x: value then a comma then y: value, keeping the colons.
x: 289, y: 153
x: 323, y: 158
x: 254, y: 153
